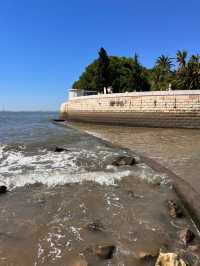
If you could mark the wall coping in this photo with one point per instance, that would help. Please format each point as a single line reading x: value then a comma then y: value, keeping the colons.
x: 136, y: 94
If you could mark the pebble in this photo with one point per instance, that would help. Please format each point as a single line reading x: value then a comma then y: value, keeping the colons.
x: 95, y: 227
x: 60, y: 149
x: 186, y: 235
x: 105, y: 252
x: 3, y: 189
x: 175, y: 210
x: 124, y: 160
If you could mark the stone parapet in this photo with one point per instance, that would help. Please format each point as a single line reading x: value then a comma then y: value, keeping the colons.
x: 152, y: 109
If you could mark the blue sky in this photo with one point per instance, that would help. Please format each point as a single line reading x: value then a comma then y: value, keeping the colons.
x: 46, y: 44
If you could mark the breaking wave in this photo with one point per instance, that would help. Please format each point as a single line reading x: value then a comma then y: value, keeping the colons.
x: 19, y: 167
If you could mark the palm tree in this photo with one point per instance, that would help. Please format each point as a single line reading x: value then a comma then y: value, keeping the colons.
x: 164, y: 63
x: 189, y: 76
x: 155, y: 78
x: 181, y: 58
x: 194, y: 58
x: 160, y: 80
x: 136, y: 59
x: 161, y: 73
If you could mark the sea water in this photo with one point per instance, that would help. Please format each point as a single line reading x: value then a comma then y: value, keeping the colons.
x: 53, y: 196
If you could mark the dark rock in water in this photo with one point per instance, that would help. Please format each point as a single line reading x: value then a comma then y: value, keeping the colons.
x: 186, y: 235
x: 148, y: 250
x: 124, y: 160
x: 131, y: 194
x: 95, y: 227
x: 105, y: 252
x: 60, y: 149
x: 175, y: 210
x: 3, y: 189
x: 59, y: 120
x: 147, y: 254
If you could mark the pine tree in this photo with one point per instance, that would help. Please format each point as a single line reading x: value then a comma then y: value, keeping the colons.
x: 103, y: 70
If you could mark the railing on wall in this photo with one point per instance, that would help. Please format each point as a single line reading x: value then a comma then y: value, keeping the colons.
x: 136, y: 94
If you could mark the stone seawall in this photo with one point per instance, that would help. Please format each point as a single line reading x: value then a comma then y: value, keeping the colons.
x: 150, y: 109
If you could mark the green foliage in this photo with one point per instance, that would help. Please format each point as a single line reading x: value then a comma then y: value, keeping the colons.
x: 102, y: 77
x: 121, y: 73
x: 127, y: 74
x: 87, y: 80
x: 181, y: 58
x: 188, y: 78
x: 161, y: 74
x: 164, y: 63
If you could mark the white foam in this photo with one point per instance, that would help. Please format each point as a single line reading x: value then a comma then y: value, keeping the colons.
x: 1, y: 151
x: 51, y: 169
x: 60, y: 179
x: 151, y: 176
x: 97, y: 135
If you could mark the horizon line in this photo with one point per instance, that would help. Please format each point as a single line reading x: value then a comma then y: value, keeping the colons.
x: 10, y: 111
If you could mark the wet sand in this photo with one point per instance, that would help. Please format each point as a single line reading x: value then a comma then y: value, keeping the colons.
x: 43, y: 226
x: 175, y: 149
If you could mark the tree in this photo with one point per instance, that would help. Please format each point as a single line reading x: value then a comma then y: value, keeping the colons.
x: 189, y: 77
x: 138, y: 80
x: 164, y: 63
x: 181, y: 59
x: 128, y: 74
x: 161, y: 74
x: 194, y: 58
x: 102, y: 70
x: 87, y: 81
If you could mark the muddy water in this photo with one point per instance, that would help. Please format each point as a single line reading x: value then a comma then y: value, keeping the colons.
x: 55, y: 198
x: 49, y: 226
x: 176, y: 149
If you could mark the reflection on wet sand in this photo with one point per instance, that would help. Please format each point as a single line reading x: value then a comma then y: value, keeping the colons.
x: 61, y: 225
x: 176, y: 149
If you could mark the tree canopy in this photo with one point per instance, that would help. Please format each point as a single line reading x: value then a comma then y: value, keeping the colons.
x: 126, y: 74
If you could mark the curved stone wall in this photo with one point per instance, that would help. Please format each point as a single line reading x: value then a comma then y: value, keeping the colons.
x: 151, y: 109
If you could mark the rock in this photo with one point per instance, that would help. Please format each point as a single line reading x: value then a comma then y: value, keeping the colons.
x: 59, y: 120
x: 186, y: 235
x: 175, y: 210
x: 105, y: 252
x: 131, y: 194
x: 3, y: 189
x: 79, y: 262
x: 95, y: 227
x: 124, y: 160
x: 147, y: 254
x: 60, y: 149
x: 169, y: 259
x: 193, y: 248
x: 147, y: 251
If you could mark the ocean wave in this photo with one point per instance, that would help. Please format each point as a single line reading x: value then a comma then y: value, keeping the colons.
x: 19, y: 168
x: 50, y: 168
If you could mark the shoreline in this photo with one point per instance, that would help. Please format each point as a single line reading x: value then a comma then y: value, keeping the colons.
x: 180, y: 186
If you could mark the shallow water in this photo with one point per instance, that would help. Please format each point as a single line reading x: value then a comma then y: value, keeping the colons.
x: 176, y: 149
x: 28, y: 158
x: 54, y: 196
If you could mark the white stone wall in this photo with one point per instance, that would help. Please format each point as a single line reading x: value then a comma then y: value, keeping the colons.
x: 170, y: 103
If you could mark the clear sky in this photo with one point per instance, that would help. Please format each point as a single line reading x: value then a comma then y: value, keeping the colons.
x: 46, y: 44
